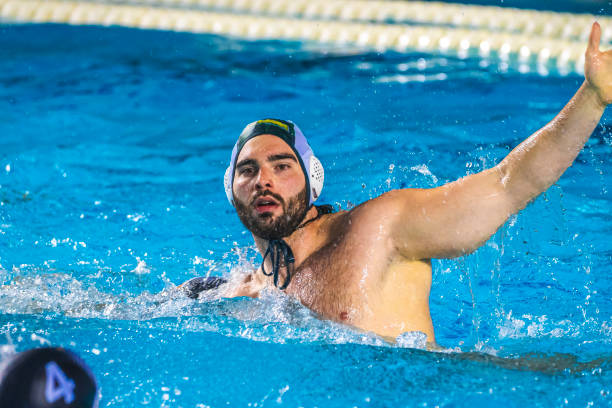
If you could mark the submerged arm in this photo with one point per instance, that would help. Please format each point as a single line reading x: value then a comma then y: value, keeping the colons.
x: 457, y: 218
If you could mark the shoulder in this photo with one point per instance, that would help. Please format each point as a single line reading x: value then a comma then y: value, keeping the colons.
x: 391, y: 220
x: 388, y: 207
x: 376, y: 218
x: 370, y: 219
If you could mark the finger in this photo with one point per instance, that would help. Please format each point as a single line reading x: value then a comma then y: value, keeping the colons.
x: 594, y: 38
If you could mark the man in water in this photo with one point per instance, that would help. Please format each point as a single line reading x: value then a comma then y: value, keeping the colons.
x: 370, y: 267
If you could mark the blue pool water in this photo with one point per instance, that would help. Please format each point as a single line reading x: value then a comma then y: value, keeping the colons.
x: 113, y: 144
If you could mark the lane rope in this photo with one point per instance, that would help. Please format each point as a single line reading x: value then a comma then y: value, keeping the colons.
x: 567, y: 26
x: 564, y: 55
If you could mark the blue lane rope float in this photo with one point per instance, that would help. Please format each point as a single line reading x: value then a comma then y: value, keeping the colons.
x: 566, y: 55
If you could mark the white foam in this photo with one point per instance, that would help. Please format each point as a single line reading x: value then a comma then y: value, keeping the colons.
x: 414, y: 339
x: 273, y: 317
x: 141, y: 268
x: 424, y: 170
x: 531, y: 326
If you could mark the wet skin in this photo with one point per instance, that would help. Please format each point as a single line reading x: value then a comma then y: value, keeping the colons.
x: 347, y: 267
x: 370, y: 267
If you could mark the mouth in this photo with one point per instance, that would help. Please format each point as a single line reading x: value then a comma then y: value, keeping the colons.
x: 265, y: 204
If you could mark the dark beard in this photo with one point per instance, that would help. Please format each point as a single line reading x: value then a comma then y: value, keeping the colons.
x: 265, y: 226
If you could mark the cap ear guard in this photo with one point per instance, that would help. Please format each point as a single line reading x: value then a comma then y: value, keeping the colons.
x: 316, y: 176
x: 227, y: 182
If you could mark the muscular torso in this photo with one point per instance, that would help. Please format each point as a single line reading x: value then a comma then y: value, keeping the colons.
x: 353, y: 275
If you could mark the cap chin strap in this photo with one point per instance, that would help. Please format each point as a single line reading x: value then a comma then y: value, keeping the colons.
x: 280, y: 255
x: 280, y: 252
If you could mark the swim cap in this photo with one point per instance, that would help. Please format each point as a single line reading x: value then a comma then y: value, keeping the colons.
x: 47, y: 378
x: 293, y: 136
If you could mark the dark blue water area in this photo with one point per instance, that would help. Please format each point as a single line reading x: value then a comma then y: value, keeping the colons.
x: 113, y: 145
x: 207, y: 369
x: 597, y: 7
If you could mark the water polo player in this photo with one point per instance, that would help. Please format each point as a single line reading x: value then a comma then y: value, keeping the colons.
x: 47, y: 378
x: 370, y: 267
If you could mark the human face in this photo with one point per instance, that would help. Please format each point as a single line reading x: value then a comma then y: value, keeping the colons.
x: 269, y: 188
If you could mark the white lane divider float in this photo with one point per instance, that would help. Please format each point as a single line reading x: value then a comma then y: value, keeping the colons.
x: 566, y: 54
x: 567, y: 26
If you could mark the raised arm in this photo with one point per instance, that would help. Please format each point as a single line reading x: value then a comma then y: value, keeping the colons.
x: 457, y: 218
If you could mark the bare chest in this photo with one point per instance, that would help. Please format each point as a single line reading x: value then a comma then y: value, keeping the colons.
x: 336, y: 280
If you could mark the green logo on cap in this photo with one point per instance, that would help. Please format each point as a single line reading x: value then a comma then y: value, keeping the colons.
x: 275, y: 122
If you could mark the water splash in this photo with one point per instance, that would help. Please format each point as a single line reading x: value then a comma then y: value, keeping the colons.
x: 273, y: 317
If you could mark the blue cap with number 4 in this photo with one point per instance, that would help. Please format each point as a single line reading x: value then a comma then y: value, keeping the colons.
x: 47, y: 378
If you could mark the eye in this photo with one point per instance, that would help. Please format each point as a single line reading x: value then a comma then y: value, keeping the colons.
x: 246, y: 171
x: 283, y: 166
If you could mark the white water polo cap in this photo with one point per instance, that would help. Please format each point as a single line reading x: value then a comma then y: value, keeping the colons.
x: 293, y: 136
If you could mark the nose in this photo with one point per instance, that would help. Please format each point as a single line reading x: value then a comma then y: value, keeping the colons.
x: 264, y: 178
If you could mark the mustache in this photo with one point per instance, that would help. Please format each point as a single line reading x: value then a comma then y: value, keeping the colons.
x: 268, y: 193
